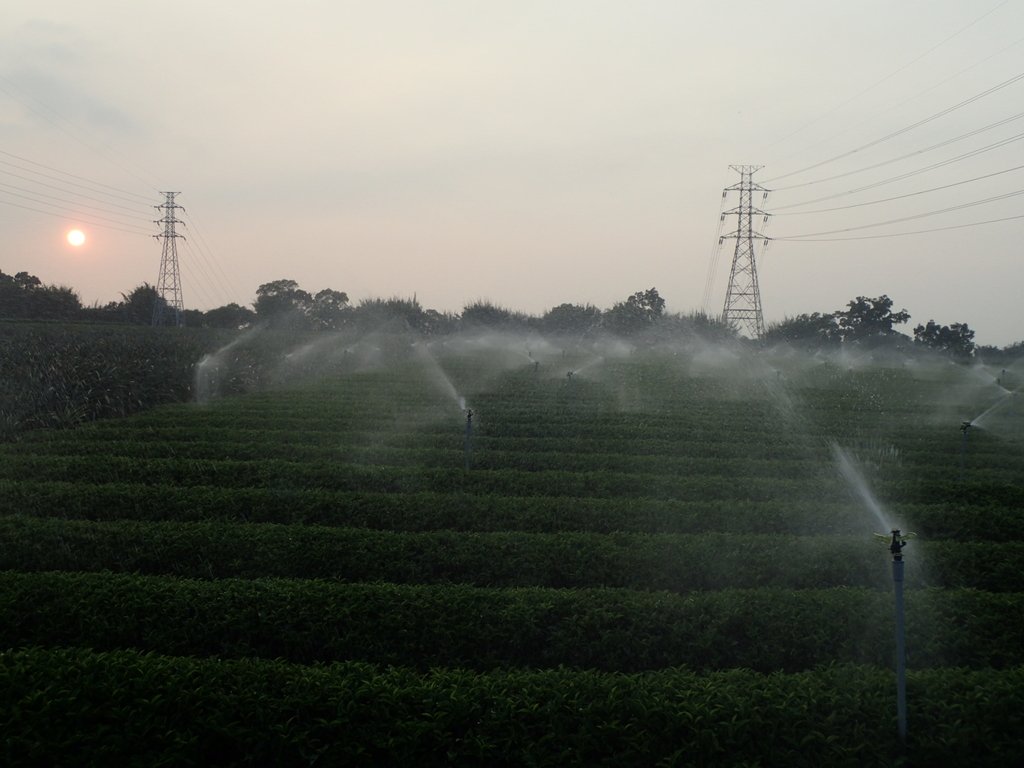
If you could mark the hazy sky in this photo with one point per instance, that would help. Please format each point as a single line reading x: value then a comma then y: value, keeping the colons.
x: 529, y: 153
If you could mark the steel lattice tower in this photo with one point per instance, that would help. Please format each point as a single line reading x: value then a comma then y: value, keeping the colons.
x: 743, y: 296
x: 168, y: 284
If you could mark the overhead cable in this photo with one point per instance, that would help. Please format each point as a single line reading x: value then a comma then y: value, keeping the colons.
x: 900, y: 197
x: 807, y: 239
x: 90, y: 222
x: 917, y: 95
x: 33, y: 195
x: 950, y: 209
x: 75, y: 176
x: 107, y: 205
x: 63, y: 181
x: 889, y: 76
x: 905, y: 129
x: 909, y: 174
x: 916, y: 152
x: 94, y: 147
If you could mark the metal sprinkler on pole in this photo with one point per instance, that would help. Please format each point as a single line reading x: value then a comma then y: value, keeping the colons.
x: 896, y: 548
x: 965, y: 427
x: 468, y: 443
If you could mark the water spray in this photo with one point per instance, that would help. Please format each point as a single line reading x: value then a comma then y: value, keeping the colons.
x: 468, y: 443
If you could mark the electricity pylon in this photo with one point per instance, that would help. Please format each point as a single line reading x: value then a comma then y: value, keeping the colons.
x: 743, y: 296
x: 168, y: 284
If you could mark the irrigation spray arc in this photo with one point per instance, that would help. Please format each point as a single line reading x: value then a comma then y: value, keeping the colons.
x: 897, y: 541
x: 980, y: 421
x: 207, y: 379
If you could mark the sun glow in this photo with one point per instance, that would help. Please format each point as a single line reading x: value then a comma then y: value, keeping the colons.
x: 76, y: 237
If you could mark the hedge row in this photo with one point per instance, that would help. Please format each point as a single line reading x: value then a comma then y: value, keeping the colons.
x: 704, y: 442
x: 484, y: 457
x: 427, y: 511
x: 343, y: 476
x: 674, y: 562
x: 403, y: 447
x: 159, y: 710
x: 459, y: 626
x: 277, y: 473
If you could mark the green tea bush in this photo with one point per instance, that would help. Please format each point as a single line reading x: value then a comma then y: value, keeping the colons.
x: 447, y: 625
x: 159, y: 710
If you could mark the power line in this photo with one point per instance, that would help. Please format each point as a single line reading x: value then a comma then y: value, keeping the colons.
x: 77, y: 218
x: 75, y: 176
x: 909, y: 174
x: 109, y: 206
x: 208, y: 278
x: 888, y: 77
x: 916, y: 152
x: 950, y: 209
x: 906, y: 129
x: 33, y: 197
x: 806, y: 239
x: 197, y: 285
x: 917, y: 95
x: 96, y: 147
x: 206, y: 252
x: 713, y: 257
x: 56, y: 178
x: 901, y: 197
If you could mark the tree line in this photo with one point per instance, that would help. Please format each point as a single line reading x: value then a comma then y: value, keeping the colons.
x: 283, y: 304
x: 871, y: 323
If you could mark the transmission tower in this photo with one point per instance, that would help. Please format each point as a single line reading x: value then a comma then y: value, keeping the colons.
x: 743, y: 297
x: 168, y: 284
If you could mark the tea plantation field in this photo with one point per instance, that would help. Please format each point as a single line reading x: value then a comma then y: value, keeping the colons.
x: 653, y: 561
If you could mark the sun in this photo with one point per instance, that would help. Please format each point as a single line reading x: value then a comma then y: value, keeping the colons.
x: 76, y: 237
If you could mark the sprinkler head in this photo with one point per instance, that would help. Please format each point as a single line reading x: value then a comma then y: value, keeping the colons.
x: 897, y: 544
x: 570, y: 374
x: 964, y: 426
x: 469, y: 415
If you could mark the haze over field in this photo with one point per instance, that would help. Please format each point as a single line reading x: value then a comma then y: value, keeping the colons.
x: 531, y: 153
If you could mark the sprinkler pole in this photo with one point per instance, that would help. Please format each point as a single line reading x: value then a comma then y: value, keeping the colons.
x: 896, y: 548
x: 965, y: 427
x: 468, y: 443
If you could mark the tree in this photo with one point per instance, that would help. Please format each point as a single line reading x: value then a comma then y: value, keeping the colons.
x: 869, y: 318
x: 484, y: 314
x: 806, y: 330
x: 329, y: 309
x: 24, y: 296
x: 233, y: 316
x: 375, y: 313
x: 434, y: 323
x: 571, y: 318
x: 637, y: 313
x: 282, y: 303
x: 956, y: 340
x: 137, y: 307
